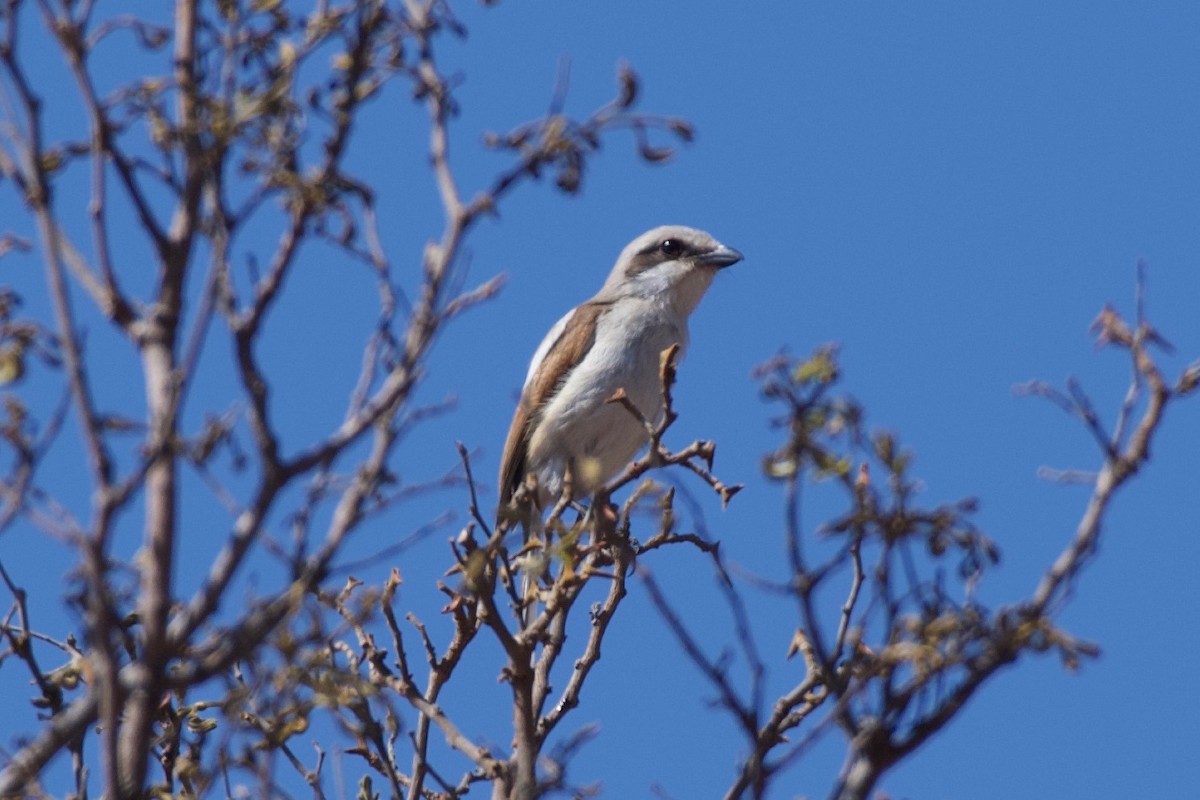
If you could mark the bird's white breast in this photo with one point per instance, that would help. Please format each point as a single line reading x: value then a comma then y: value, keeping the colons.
x: 600, y: 438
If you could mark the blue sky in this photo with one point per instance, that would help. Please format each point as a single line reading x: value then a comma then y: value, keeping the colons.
x: 951, y: 191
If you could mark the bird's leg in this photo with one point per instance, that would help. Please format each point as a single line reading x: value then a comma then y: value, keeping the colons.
x: 564, y: 497
x: 537, y: 537
x: 536, y: 568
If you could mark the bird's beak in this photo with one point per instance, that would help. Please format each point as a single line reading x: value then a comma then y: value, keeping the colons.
x: 721, y: 257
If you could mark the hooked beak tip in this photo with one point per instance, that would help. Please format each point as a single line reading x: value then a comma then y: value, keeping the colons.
x: 721, y: 257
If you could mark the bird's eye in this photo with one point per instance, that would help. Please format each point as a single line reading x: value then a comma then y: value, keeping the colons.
x: 671, y: 247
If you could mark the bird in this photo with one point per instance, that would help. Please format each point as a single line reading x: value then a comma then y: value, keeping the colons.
x: 564, y: 430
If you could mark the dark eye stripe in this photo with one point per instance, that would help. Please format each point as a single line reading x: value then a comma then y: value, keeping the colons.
x: 670, y: 246
x: 659, y: 251
x: 644, y: 261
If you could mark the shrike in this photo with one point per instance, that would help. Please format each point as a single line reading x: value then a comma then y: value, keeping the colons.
x: 563, y: 423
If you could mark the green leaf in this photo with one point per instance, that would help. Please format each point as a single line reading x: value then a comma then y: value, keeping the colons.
x: 12, y: 363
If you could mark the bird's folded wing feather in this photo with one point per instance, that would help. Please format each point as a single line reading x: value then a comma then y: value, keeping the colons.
x: 567, y: 344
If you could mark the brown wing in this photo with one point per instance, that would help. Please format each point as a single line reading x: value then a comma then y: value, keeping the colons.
x: 568, y: 349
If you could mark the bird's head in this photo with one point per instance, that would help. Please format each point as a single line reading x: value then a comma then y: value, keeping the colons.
x: 672, y: 264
